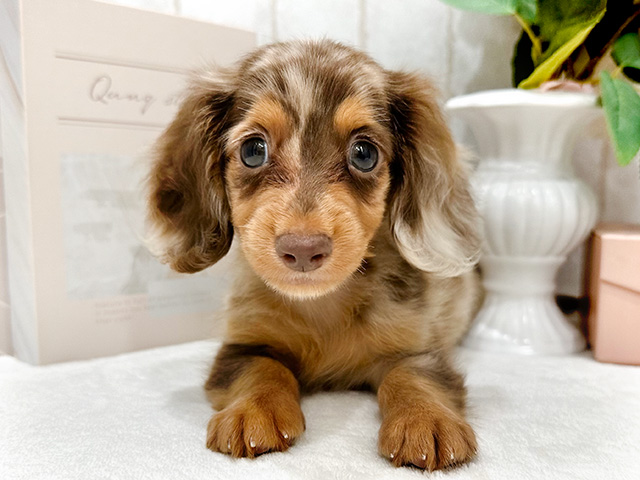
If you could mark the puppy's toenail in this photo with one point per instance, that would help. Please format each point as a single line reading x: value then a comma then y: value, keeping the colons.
x: 252, y: 443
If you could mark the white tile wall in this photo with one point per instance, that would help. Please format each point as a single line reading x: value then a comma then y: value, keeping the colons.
x: 336, y: 19
x: 481, y: 51
x: 622, y: 191
x: 409, y: 35
x: 254, y: 15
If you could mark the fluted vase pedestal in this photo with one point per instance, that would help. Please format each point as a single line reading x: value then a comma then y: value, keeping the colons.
x: 534, y: 212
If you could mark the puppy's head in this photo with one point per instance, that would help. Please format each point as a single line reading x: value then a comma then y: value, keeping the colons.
x: 304, y: 150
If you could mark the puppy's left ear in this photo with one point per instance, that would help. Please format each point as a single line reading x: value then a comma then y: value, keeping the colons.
x: 433, y: 218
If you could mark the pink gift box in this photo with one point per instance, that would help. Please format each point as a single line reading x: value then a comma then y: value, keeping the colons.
x: 614, y: 291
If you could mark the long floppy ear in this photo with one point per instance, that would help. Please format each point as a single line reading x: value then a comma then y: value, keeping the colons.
x: 432, y: 215
x: 187, y: 210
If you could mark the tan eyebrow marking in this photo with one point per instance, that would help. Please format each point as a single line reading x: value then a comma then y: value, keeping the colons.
x: 269, y: 114
x: 352, y: 114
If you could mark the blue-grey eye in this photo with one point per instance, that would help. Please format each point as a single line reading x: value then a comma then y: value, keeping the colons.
x: 254, y: 152
x: 363, y: 156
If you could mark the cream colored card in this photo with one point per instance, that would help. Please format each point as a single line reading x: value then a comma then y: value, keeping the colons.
x: 98, y: 84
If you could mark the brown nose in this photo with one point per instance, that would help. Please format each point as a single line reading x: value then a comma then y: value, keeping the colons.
x: 303, y: 253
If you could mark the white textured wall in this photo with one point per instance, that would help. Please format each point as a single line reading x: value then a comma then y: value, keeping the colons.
x: 463, y: 52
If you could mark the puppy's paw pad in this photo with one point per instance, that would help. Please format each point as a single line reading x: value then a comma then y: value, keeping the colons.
x: 428, y: 437
x: 249, y: 428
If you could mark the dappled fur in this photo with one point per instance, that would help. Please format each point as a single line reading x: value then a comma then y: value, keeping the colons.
x: 398, y: 290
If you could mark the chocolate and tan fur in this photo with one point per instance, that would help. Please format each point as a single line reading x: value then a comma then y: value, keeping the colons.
x: 392, y: 289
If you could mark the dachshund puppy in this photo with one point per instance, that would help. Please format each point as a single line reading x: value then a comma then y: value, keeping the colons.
x: 358, y: 237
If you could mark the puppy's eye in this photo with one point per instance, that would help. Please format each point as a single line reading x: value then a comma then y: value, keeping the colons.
x: 363, y: 156
x: 254, y: 152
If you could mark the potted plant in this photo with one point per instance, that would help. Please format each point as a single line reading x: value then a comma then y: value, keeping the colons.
x: 534, y: 209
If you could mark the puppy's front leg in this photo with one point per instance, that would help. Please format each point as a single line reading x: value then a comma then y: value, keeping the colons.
x: 422, y: 401
x: 258, y: 401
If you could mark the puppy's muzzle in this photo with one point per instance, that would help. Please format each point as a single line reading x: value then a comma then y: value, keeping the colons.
x: 303, y: 253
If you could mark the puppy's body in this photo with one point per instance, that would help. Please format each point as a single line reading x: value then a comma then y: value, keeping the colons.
x: 358, y: 237
x: 387, y: 310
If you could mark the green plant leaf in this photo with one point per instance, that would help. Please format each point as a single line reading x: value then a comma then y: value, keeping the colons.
x: 565, y: 24
x: 621, y: 105
x: 562, y: 20
x: 626, y: 51
x: 525, y: 8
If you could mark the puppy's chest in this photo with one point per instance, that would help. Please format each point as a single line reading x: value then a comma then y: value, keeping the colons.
x: 340, y: 359
x: 334, y: 344
x: 348, y: 355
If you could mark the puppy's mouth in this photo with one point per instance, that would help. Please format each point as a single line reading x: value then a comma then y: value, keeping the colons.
x: 303, y: 285
x: 304, y: 278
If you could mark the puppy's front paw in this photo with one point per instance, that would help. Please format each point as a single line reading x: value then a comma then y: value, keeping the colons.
x: 251, y: 427
x: 428, y: 436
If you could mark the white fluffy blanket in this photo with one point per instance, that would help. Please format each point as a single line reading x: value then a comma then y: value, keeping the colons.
x: 143, y: 416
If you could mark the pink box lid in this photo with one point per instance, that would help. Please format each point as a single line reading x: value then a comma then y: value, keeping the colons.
x: 620, y: 264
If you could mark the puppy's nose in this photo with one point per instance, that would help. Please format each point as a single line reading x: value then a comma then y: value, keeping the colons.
x: 303, y: 253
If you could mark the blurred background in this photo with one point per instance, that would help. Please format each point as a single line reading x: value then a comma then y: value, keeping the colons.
x: 462, y: 52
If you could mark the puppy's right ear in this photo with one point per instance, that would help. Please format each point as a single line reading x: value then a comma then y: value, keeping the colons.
x: 187, y: 208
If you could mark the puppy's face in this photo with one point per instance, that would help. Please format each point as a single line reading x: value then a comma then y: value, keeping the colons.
x: 307, y: 169
x: 303, y: 149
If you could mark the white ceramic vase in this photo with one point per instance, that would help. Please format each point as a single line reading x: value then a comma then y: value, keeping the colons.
x: 535, y: 211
